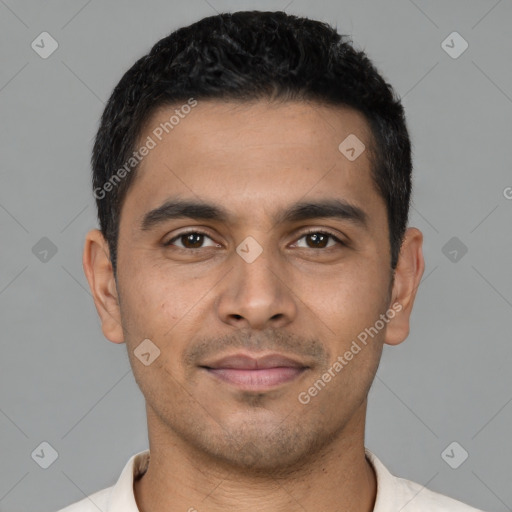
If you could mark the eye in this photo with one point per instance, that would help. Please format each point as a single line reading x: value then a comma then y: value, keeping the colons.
x: 319, y: 239
x: 314, y: 239
x: 190, y: 240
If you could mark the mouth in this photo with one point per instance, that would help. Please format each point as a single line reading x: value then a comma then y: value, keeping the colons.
x: 256, y: 373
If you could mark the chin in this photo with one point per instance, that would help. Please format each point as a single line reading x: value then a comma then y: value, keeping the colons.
x: 264, y: 449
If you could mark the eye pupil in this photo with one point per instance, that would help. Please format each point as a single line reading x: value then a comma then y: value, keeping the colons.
x: 189, y: 237
x: 318, y: 237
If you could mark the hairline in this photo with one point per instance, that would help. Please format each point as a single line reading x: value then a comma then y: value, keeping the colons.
x: 241, y: 104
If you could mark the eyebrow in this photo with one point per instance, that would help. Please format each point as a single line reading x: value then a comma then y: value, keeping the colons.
x: 304, y: 210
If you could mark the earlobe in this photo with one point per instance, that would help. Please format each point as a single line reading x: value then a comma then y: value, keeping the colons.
x: 99, y: 272
x: 409, y: 271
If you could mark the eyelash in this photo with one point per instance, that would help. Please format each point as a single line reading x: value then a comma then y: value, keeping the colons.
x: 194, y: 231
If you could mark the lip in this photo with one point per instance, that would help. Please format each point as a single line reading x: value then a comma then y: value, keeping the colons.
x: 248, y: 362
x: 256, y: 373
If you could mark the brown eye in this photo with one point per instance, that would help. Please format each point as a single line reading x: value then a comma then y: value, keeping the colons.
x: 190, y: 240
x: 319, y: 240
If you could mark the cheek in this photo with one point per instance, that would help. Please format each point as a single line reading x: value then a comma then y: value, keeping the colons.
x: 165, y: 306
x: 151, y: 303
x: 159, y: 310
x: 351, y: 306
x: 350, y: 296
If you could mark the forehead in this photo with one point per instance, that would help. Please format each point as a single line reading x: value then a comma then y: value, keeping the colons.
x: 253, y: 157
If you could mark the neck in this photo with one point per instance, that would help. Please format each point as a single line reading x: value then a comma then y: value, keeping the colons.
x: 178, y: 479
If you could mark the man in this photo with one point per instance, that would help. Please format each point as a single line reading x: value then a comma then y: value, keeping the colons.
x: 252, y: 175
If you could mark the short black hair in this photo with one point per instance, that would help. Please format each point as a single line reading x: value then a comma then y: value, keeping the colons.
x: 246, y: 56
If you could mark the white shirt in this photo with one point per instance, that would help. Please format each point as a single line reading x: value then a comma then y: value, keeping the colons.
x: 393, y: 494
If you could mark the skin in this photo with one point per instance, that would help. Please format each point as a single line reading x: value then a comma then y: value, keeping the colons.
x: 214, y: 446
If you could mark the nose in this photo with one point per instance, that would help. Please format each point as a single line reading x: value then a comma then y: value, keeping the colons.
x: 256, y: 295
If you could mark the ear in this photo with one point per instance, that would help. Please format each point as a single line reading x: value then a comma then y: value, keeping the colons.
x: 99, y: 272
x: 408, y: 274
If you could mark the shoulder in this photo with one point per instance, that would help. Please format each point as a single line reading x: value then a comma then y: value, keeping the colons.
x: 118, y: 497
x: 96, y: 501
x: 395, y: 493
x: 417, y: 498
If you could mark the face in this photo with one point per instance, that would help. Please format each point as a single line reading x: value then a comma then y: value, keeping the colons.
x: 255, y: 297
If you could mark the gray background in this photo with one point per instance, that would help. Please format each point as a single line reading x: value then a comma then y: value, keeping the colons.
x: 62, y: 382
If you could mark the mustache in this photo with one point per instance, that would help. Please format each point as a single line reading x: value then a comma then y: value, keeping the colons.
x: 271, y: 340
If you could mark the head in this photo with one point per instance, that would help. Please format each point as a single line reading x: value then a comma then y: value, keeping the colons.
x: 233, y: 219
